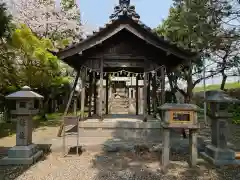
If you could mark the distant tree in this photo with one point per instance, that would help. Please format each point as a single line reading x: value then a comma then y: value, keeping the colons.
x: 5, y: 20
x: 194, y: 25
x: 7, y: 55
x: 225, y: 53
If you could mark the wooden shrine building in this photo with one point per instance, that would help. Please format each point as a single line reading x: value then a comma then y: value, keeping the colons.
x: 123, y: 45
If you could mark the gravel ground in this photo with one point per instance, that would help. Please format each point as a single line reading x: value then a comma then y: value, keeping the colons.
x: 119, y: 166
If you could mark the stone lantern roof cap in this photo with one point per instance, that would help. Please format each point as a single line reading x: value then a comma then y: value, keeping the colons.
x: 174, y: 106
x: 219, y: 96
x: 24, y: 93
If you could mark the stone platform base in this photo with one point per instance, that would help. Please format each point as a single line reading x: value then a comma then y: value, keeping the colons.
x: 21, y: 161
x: 122, y: 129
x: 22, y: 155
x: 219, y: 157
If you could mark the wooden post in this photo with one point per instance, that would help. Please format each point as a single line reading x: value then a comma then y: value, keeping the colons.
x: 101, y: 90
x: 136, y: 95
x: 75, y: 106
x: 145, y: 96
x: 154, y: 91
x: 107, y: 83
x: 69, y: 102
x: 83, y: 75
x: 90, y: 94
x: 149, y: 94
x: 95, y: 93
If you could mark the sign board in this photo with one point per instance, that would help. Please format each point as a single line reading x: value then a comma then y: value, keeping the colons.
x: 120, y: 79
x: 71, y: 120
x: 181, y: 117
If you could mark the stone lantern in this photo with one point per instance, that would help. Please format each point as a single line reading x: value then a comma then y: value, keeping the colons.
x: 218, y: 152
x: 27, y: 104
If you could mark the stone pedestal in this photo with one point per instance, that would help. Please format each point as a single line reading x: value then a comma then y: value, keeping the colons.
x: 193, y: 148
x: 18, y: 155
x: 24, y: 131
x: 166, y: 148
x: 193, y: 156
x: 24, y: 152
x: 218, y: 152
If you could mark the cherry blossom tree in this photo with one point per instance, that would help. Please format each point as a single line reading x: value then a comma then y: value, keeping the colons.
x: 46, y: 19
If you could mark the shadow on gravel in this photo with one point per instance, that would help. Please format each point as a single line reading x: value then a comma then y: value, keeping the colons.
x: 141, y: 162
x: 11, y: 172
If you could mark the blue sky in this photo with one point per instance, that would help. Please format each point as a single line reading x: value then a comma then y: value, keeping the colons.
x: 96, y: 13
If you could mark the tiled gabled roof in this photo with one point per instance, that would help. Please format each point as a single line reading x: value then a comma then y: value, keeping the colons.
x: 161, y: 39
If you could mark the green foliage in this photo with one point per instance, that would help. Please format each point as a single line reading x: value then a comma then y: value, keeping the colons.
x: 189, y: 24
x: 33, y: 47
x: 7, y: 55
x: 68, y: 4
x: 38, y: 66
x: 235, y: 110
x: 59, y: 81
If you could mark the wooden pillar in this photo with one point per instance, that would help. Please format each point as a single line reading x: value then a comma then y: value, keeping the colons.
x: 145, y: 83
x: 162, y: 85
x: 95, y: 93
x: 106, y: 95
x: 136, y: 95
x: 75, y: 106
x: 90, y: 94
x: 101, y: 90
x: 149, y: 94
x: 83, y: 93
x: 154, y: 91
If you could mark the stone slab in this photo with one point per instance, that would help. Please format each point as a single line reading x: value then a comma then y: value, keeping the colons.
x: 21, y: 161
x: 219, y: 157
x: 22, y: 151
x: 219, y: 162
x: 121, y: 124
x: 203, y: 142
x: 217, y: 153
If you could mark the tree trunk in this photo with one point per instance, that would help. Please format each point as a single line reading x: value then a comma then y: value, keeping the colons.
x: 224, y: 79
x: 172, y: 84
x: 189, y: 94
x: 190, y: 86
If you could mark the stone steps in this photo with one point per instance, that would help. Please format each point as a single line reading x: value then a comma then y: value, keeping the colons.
x: 119, y: 106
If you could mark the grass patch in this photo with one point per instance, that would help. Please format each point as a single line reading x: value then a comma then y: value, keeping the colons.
x: 217, y: 86
x: 52, y: 120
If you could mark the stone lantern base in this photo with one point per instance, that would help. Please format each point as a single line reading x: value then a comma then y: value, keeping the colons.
x: 219, y: 156
x: 18, y: 155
